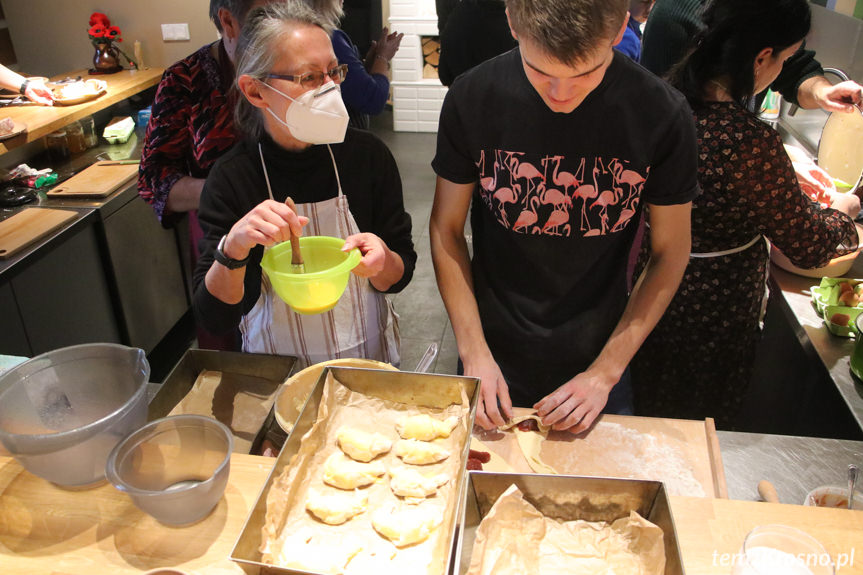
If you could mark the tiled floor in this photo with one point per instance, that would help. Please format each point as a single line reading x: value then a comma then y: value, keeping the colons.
x: 422, y: 317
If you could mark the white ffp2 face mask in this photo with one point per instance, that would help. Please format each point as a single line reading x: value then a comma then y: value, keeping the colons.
x: 318, y: 116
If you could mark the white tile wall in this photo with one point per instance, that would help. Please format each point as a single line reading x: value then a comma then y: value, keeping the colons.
x: 416, y: 101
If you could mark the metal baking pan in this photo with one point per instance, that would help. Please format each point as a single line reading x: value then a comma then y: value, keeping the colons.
x: 380, y: 383
x: 567, y: 498
x: 275, y: 369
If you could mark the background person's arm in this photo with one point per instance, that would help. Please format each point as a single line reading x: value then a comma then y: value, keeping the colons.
x: 577, y: 403
x: 455, y: 282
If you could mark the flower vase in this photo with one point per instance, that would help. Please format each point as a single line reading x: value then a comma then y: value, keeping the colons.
x: 106, y: 60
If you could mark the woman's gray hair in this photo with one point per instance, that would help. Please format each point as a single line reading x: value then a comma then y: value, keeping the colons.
x: 330, y: 10
x: 257, y: 51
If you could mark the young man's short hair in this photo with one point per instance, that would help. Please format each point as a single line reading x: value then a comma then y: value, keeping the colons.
x: 568, y: 30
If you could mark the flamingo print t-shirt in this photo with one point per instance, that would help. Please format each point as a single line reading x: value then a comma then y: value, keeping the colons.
x: 557, y: 202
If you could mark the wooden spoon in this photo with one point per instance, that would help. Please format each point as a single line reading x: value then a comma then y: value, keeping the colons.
x: 297, y: 265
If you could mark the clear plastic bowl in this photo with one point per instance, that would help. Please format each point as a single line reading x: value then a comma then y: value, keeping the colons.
x: 62, y: 412
x: 175, y: 469
x: 835, y: 496
x: 327, y: 269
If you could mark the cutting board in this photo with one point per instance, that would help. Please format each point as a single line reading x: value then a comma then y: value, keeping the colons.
x: 99, y: 180
x: 29, y: 225
x: 681, y: 453
x: 45, y: 529
x: 711, y: 531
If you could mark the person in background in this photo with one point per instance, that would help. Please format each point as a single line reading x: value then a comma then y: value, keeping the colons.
x: 673, y: 23
x: 630, y: 44
x: 32, y: 89
x: 444, y: 8
x: 345, y: 184
x: 549, y: 148
x: 698, y: 360
x: 191, y: 126
x: 367, y: 86
x: 477, y: 30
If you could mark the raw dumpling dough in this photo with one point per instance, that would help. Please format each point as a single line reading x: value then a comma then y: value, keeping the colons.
x: 530, y: 442
x: 336, y: 507
x: 420, y: 452
x: 414, y: 486
x: 344, y: 473
x: 362, y: 446
x: 407, y: 525
x: 425, y: 427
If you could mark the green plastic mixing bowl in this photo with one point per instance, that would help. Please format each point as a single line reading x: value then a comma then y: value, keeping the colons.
x: 327, y: 269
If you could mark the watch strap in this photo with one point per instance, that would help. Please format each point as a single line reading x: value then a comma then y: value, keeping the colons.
x: 226, y: 260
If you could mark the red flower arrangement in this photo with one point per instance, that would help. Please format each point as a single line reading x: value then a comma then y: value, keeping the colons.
x: 102, y: 33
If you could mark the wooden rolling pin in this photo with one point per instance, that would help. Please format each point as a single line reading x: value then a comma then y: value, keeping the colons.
x: 767, y: 491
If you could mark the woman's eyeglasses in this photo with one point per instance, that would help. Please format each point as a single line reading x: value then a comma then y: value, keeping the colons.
x: 311, y: 80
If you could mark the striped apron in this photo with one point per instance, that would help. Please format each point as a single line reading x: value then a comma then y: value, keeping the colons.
x: 363, y: 324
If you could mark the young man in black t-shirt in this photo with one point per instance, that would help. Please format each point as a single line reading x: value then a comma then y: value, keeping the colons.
x: 557, y: 146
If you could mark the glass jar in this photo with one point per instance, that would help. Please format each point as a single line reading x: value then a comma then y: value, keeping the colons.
x: 89, y: 127
x: 55, y: 143
x: 75, y: 138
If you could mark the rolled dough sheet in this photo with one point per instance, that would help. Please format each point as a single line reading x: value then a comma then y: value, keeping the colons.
x: 530, y: 442
x: 497, y: 463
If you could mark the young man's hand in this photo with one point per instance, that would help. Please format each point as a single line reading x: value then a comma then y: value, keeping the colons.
x: 576, y: 404
x: 493, y: 389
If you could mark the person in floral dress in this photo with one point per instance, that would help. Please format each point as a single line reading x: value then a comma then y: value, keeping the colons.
x: 697, y: 361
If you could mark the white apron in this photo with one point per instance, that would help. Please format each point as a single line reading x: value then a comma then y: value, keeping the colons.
x: 363, y: 324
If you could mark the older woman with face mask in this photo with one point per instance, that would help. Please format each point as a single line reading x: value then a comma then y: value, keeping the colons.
x: 345, y: 183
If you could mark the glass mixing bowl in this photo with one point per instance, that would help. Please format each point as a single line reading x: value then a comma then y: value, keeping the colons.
x: 62, y: 412
x: 175, y: 469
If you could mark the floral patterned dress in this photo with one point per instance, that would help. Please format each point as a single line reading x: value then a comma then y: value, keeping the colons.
x: 697, y: 361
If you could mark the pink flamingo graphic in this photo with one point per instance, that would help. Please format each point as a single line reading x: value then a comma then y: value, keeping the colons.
x: 528, y: 216
x: 586, y: 192
x: 529, y: 172
x: 490, y: 183
x: 605, y: 199
x: 554, y: 221
x: 553, y: 197
x: 506, y: 196
x: 633, y: 179
x: 565, y: 179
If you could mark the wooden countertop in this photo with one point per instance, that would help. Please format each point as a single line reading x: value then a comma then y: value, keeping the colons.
x: 44, y: 529
x: 42, y: 120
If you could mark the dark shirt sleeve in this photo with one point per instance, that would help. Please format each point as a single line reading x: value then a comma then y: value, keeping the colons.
x: 673, y: 177
x: 218, y: 212
x: 801, y: 66
x: 452, y: 159
x: 392, y: 222
x: 362, y: 92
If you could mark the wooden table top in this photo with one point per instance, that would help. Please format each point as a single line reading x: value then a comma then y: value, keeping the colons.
x: 42, y: 120
x: 45, y: 529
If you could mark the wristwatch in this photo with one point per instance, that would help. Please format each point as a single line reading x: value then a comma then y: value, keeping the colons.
x: 226, y: 260
x: 23, y: 87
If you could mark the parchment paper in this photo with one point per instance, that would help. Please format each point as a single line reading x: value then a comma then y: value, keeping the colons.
x: 515, y: 538
x: 242, y: 402
x: 355, y: 547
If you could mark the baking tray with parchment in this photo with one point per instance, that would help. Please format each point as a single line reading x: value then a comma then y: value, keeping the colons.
x: 371, y: 400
